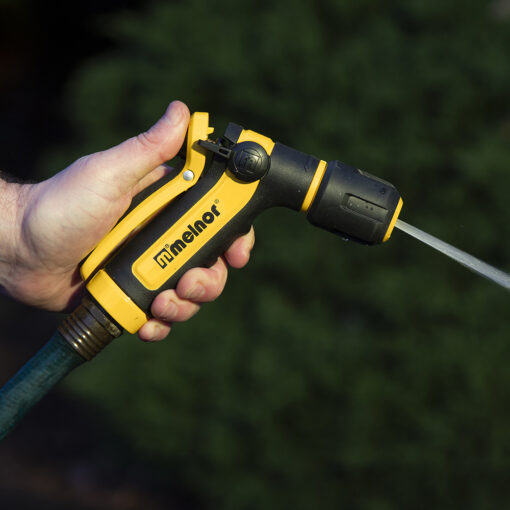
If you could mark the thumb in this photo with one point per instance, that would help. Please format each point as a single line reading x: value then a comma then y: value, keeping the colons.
x: 131, y: 160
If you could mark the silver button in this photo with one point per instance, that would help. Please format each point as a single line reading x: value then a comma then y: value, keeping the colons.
x: 188, y: 175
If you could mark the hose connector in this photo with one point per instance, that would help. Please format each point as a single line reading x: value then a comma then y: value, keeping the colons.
x: 88, y: 330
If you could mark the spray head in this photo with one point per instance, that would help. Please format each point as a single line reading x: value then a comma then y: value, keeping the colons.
x: 355, y: 204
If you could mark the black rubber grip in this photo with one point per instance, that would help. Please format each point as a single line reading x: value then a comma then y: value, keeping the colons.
x: 119, y: 268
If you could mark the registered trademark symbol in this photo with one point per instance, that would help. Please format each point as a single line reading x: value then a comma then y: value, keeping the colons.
x: 216, y: 201
x: 167, y: 246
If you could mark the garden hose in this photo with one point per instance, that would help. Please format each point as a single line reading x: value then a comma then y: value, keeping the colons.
x: 78, y: 339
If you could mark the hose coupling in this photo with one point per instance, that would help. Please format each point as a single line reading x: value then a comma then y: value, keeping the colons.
x: 88, y: 330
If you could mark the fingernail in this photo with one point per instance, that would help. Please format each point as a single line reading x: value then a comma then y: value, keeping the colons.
x: 155, y: 332
x: 195, y: 292
x: 149, y: 332
x: 158, y: 332
x: 247, y: 250
x: 175, y: 113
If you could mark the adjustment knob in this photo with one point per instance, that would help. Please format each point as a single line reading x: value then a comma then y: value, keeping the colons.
x: 249, y: 161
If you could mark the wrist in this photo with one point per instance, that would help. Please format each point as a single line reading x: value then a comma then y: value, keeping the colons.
x: 11, y: 205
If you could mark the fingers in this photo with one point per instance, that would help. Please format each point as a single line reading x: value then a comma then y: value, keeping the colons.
x: 168, y: 306
x: 238, y: 254
x: 198, y: 285
x: 154, y: 330
x: 202, y: 284
x: 132, y: 160
x: 153, y: 176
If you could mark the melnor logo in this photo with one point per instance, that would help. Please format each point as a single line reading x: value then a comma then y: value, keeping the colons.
x: 163, y: 257
x: 170, y: 251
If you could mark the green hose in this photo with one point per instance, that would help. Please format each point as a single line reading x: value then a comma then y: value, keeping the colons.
x: 43, y: 371
x: 79, y: 338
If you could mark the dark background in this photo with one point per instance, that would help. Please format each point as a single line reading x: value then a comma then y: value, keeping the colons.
x: 328, y: 374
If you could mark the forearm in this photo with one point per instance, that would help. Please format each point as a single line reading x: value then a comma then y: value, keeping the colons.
x: 10, y: 227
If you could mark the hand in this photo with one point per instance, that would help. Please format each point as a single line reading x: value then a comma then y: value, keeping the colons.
x: 59, y: 221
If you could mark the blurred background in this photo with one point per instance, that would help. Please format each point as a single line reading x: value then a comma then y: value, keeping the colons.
x: 328, y: 374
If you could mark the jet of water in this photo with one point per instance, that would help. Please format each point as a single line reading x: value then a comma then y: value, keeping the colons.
x: 463, y: 258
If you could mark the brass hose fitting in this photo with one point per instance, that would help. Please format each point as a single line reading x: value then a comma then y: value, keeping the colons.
x: 88, y: 330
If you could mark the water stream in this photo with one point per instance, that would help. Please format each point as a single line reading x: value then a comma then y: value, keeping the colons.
x: 463, y: 258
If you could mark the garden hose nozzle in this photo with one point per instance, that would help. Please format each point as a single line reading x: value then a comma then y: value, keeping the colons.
x: 188, y: 219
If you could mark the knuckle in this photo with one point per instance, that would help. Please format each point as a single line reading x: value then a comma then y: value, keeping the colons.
x: 216, y: 289
x: 186, y: 312
x: 191, y: 311
x: 214, y: 293
x: 146, y: 141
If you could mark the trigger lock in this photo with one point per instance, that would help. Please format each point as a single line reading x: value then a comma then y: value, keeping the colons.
x: 248, y: 161
x: 215, y: 148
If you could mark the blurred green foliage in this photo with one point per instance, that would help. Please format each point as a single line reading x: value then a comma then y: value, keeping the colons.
x: 328, y: 374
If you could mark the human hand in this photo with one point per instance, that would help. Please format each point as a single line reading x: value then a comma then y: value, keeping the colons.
x: 53, y: 224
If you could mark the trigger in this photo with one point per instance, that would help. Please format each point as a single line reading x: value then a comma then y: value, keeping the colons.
x: 163, y: 195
